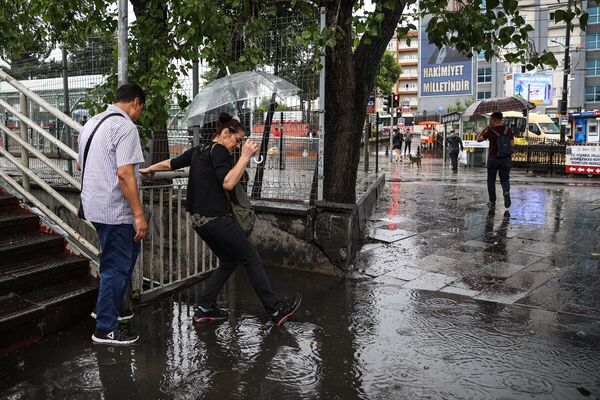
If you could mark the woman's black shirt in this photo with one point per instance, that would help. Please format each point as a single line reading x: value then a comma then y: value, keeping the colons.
x: 208, y: 168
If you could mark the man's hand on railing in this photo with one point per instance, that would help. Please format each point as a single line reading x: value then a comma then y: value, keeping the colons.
x: 141, y: 227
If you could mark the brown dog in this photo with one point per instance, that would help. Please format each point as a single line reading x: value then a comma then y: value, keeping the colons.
x: 414, y: 160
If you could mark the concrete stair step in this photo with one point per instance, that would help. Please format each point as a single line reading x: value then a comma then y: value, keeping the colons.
x: 8, y: 201
x: 27, y: 317
x: 23, y: 246
x: 23, y: 276
x: 11, y: 223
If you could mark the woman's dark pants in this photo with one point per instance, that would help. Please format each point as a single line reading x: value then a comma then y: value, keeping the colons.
x: 227, y: 240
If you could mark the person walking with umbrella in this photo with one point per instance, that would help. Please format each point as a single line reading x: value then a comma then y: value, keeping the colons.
x: 212, y: 180
x: 501, y: 140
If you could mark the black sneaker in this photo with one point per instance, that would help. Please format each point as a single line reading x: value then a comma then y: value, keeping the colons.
x: 506, y: 199
x: 118, y: 337
x: 125, y: 315
x: 212, y: 314
x: 286, y: 309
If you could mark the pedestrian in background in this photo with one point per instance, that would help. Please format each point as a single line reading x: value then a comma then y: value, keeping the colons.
x: 501, y: 140
x: 455, y: 146
x: 397, y: 145
x: 407, y: 141
x: 211, y: 183
x: 109, y: 156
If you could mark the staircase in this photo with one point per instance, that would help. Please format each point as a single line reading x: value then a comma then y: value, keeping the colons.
x: 43, y: 287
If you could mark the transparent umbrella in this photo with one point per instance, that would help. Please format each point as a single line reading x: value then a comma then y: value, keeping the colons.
x: 236, y: 92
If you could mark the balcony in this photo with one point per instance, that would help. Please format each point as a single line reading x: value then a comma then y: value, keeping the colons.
x: 408, y: 49
x: 409, y: 62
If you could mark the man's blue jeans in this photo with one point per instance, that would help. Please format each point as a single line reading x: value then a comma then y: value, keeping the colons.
x: 498, y: 166
x: 117, y: 260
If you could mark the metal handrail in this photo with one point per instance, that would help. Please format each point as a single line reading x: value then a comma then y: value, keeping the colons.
x: 40, y: 101
x: 64, y: 202
x: 87, y: 248
x: 93, y: 251
x: 41, y: 157
x: 70, y: 152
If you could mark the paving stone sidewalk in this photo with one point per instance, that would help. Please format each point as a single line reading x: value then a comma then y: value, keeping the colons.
x: 433, y: 231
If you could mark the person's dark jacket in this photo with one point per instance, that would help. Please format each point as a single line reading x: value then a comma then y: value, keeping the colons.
x: 454, y: 143
x: 397, y: 140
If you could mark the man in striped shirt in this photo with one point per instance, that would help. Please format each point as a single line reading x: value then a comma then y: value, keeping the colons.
x: 110, y: 200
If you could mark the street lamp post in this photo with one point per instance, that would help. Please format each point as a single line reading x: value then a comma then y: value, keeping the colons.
x: 566, y: 71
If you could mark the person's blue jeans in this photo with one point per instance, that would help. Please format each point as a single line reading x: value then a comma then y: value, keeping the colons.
x: 498, y: 166
x: 117, y: 260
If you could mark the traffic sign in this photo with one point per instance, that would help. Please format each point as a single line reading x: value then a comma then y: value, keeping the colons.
x: 583, y: 160
x: 371, y: 105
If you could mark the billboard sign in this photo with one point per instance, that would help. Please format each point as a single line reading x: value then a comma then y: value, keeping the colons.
x: 443, y: 72
x: 540, y: 87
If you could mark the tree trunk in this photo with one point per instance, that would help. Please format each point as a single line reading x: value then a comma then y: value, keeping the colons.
x: 349, y: 80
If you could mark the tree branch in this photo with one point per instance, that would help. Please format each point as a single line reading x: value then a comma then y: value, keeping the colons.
x: 367, y: 56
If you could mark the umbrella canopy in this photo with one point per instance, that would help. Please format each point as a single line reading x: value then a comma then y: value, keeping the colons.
x: 428, y: 123
x: 236, y: 92
x: 498, y: 104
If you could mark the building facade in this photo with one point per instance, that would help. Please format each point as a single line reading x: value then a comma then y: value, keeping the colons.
x: 498, y: 78
x: 407, y: 85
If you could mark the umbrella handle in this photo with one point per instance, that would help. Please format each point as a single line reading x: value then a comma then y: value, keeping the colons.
x: 260, y: 159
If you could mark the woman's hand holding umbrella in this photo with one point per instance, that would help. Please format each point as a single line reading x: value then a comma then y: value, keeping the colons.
x: 249, y: 150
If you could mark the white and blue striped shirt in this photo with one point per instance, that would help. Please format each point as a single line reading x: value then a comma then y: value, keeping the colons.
x: 115, y: 144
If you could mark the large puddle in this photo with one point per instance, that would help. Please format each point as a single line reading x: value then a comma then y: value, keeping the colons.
x: 351, y: 340
x: 374, y: 337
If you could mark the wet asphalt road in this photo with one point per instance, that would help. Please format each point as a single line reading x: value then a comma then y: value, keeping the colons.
x: 448, y: 301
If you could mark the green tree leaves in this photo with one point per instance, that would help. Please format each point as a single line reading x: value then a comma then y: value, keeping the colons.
x: 389, y: 72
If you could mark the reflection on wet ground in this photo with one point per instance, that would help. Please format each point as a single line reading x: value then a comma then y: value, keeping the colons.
x: 353, y: 339
x: 421, y: 322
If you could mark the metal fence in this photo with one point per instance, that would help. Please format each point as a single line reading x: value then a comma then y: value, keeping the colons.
x: 542, y: 158
x: 288, y: 168
x: 171, y: 252
x: 291, y: 160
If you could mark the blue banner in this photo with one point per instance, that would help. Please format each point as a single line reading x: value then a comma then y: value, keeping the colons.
x: 445, y: 71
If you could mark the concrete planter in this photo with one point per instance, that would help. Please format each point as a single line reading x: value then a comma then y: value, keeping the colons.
x: 324, y: 238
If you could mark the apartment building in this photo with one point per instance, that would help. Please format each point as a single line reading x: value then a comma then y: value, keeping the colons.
x: 407, y: 85
x: 497, y: 78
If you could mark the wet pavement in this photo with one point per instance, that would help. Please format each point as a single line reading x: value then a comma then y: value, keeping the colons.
x: 449, y: 301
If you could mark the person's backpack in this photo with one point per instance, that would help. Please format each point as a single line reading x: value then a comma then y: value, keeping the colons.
x: 503, y: 146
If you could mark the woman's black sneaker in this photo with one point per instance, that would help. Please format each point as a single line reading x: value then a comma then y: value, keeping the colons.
x: 286, y: 309
x: 117, y: 337
x: 212, y: 314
